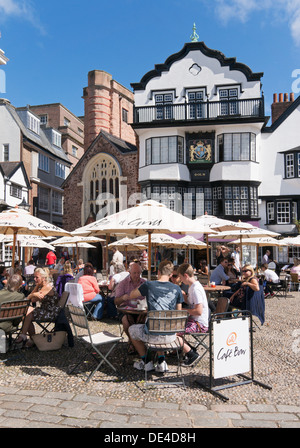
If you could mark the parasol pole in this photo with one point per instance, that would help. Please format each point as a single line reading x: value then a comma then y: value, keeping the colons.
x: 106, y: 250
x: 77, y: 252
x: 207, y: 256
x: 149, y: 255
x: 14, y: 247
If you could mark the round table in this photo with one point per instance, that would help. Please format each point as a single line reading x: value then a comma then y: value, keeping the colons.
x: 129, y: 310
x: 217, y: 288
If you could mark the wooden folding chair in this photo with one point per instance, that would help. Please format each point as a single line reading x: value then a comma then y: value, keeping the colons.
x: 11, y: 315
x: 167, y: 322
x: 92, y: 342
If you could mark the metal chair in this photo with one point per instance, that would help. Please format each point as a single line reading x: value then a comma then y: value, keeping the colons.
x: 280, y: 289
x: 77, y: 299
x: 201, y: 340
x: 166, y: 322
x: 295, y: 281
x: 92, y: 342
x: 11, y: 315
x: 75, y: 294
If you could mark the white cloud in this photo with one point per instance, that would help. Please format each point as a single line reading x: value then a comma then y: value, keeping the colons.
x: 242, y: 10
x: 23, y: 9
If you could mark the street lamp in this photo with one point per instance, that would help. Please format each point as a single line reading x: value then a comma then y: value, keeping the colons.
x: 24, y: 205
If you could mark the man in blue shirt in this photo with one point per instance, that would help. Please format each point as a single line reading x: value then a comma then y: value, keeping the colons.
x: 218, y: 275
x: 160, y: 294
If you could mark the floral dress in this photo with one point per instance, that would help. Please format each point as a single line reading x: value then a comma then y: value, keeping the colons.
x: 49, y: 308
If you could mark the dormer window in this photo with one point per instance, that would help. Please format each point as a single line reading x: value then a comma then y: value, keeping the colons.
x: 163, y: 102
x: 228, y: 104
x: 196, y: 106
x: 33, y: 123
x: 56, y: 138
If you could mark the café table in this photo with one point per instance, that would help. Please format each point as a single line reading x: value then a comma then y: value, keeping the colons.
x: 139, y: 317
x: 217, y: 290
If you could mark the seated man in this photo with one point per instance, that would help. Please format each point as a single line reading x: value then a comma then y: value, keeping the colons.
x: 218, y: 275
x: 122, y: 295
x: 160, y: 294
x: 270, y: 277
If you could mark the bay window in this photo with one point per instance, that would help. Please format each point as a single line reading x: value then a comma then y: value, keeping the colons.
x: 236, y: 146
x: 164, y: 150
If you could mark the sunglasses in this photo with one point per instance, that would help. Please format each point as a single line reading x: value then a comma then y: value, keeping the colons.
x: 245, y: 270
x: 175, y: 276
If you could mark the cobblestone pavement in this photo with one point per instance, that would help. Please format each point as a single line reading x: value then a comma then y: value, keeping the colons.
x: 36, y: 390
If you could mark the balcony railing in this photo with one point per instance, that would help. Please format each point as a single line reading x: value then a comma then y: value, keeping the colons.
x: 210, y: 110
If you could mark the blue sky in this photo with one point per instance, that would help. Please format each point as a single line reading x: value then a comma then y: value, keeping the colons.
x: 52, y: 45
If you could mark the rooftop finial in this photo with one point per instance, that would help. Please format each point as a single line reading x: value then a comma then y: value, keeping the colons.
x: 194, y: 37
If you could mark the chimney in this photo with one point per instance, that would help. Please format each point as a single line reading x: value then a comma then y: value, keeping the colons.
x: 280, y: 106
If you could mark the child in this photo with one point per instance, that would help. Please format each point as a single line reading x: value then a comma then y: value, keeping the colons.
x: 197, y: 309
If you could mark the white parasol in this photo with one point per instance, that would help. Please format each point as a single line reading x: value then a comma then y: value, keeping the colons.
x: 146, y: 218
x: 77, y: 241
x: 259, y: 242
x: 126, y: 244
x: 20, y: 222
x: 292, y: 241
x: 254, y: 232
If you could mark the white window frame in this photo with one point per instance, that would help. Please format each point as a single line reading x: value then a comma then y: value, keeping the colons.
x: 57, y: 202
x: 44, y: 197
x: 33, y: 123
x: 289, y: 166
x: 283, y: 212
x: 60, y: 170
x: 270, y: 211
x: 6, y: 152
x: 43, y: 162
x: 56, y: 138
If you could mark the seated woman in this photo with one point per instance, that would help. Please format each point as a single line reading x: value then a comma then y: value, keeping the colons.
x: 47, y: 295
x: 203, y: 269
x: 91, y: 290
x: 238, y: 299
x: 231, y: 272
x: 64, y: 278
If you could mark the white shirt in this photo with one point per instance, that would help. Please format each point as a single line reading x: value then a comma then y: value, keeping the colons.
x: 117, y: 257
x: 236, y: 256
x: 196, y: 295
x: 271, y: 276
x: 29, y: 270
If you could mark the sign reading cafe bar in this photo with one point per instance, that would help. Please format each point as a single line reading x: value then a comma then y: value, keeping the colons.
x: 231, y: 347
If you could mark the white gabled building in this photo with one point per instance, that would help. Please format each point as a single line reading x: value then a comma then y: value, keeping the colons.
x: 204, y: 143
x: 199, y: 118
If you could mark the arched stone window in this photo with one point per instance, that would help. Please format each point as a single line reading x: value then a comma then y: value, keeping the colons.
x: 101, y: 185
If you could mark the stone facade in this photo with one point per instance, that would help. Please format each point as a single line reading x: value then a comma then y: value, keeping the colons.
x: 76, y: 186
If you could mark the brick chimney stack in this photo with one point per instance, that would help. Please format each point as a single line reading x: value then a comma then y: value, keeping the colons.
x: 280, y: 106
x: 108, y: 106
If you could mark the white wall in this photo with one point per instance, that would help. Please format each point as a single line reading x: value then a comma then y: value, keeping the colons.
x: 9, y: 134
x: 211, y: 74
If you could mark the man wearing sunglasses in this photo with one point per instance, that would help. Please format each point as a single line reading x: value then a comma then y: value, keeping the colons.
x: 218, y: 275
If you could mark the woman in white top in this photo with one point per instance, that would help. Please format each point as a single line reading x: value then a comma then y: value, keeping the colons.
x: 197, y: 308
